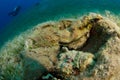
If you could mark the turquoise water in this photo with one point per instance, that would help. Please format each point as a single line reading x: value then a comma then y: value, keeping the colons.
x: 52, y: 10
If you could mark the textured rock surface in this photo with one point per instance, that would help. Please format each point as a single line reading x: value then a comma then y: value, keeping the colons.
x: 44, y: 44
x: 95, y: 38
x: 71, y: 49
x: 71, y: 60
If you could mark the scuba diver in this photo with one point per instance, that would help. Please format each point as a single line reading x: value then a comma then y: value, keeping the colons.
x: 15, y: 11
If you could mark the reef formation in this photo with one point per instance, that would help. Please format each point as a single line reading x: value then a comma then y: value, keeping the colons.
x: 87, y: 48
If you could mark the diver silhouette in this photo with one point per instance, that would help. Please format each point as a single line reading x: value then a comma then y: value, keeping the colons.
x: 15, y: 11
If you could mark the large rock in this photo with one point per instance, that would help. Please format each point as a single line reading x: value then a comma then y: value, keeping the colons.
x: 95, y: 42
x: 104, y: 44
x: 46, y: 40
x: 83, y: 49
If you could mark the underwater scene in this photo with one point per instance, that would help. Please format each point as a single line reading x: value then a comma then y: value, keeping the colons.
x: 59, y: 39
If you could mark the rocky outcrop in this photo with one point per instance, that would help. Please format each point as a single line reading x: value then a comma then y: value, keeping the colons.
x: 91, y: 47
x: 71, y: 49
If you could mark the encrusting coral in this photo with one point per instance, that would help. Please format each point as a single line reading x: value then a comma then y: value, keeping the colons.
x: 71, y: 60
x: 70, y: 49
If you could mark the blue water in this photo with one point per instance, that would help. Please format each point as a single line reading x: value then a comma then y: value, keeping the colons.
x: 32, y: 13
x: 7, y: 6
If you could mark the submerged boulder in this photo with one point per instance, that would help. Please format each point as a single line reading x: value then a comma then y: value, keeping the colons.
x: 71, y: 49
x: 90, y: 46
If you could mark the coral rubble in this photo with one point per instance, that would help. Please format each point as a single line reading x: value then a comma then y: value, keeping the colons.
x: 82, y: 49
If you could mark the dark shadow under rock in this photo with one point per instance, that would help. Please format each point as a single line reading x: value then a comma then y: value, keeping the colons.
x: 98, y: 37
x: 33, y: 69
